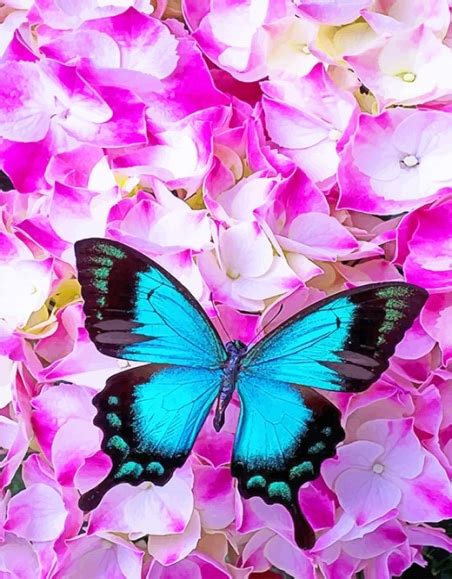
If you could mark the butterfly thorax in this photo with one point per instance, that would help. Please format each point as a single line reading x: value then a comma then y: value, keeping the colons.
x: 236, y: 351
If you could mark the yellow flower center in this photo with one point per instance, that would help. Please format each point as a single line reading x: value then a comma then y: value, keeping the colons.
x: 408, y: 77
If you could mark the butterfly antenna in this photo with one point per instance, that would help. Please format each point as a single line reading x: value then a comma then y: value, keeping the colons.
x: 262, y: 330
x: 219, y: 318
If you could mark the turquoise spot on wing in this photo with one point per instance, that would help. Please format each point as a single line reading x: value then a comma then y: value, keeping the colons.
x: 394, y: 292
x: 317, y: 447
x: 155, y: 468
x: 394, y: 315
x: 129, y: 469
x: 102, y: 260
x: 101, y: 284
x: 111, y: 251
x: 280, y: 490
x: 113, y: 420
x: 305, y: 468
x: 119, y: 444
x: 256, y: 482
x: 101, y: 301
x: 113, y: 400
x: 327, y: 431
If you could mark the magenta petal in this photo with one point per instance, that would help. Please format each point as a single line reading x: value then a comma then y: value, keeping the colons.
x: 428, y: 497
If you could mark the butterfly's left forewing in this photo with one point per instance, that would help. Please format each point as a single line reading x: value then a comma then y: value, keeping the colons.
x: 286, y: 430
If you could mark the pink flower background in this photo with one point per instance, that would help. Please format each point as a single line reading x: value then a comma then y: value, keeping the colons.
x: 265, y: 152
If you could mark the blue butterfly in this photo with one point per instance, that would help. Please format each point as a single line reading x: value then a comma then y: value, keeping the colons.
x: 151, y: 415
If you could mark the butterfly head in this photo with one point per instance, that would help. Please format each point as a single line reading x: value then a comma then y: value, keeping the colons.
x: 236, y: 349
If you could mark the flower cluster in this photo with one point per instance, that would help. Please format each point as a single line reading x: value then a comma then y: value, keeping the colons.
x: 264, y: 152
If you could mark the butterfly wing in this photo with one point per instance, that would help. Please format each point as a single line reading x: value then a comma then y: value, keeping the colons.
x: 341, y: 343
x: 286, y: 430
x: 150, y: 417
x: 284, y: 434
x: 137, y: 311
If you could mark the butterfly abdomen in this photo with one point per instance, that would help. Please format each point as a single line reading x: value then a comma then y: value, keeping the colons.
x: 236, y: 351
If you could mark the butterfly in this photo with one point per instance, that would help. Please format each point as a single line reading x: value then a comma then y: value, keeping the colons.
x: 150, y: 415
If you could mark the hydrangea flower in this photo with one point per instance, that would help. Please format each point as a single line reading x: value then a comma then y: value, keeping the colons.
x: 267, y: 154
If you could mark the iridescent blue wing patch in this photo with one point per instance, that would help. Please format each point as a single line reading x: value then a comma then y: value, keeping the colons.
x: 137, y: 311
x: 341, y: 343
x: 150, y: 417
x: 284, y: 434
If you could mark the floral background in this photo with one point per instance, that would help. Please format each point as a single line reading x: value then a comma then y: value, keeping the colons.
x: 265, y: 152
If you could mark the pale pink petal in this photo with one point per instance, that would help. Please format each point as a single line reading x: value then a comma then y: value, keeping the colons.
x: 245, y: 251
x: 107, y: 556
x: 169, y: 549
x: 331, y: 11
x: 366, y: 495
x: 403, y: 456
x: 289, y: 558
x: 18, y: 558
x: 37, y: 513
x: 54, y: 407
x: 360, y: 454
x: 147, y: 509
x: 319, y: 236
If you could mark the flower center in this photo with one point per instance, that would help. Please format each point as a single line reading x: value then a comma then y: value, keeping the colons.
x: 409, y: 161
x: 334, y: 135
x: 232, y: 274
x: 408, y: 77
x: 305, y: 49
x: 378, y: 468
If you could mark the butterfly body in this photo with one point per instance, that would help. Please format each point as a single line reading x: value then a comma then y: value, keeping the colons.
x: 236, y: 351
x: 151, y: 415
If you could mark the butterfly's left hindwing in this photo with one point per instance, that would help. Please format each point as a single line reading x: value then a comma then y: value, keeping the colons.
x: 284, y: 434
x: 150, y: 417
x: 137, y: 311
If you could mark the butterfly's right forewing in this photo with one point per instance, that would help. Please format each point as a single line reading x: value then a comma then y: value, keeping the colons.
x: 135, y: 310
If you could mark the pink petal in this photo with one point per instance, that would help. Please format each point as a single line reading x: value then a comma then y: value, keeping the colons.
x: 403, y: 456
x: 366, y: 495
x: 289, y: 558
x: 37, y: 513
x: 436, y: 318
x: 214, y: 497
x: 73, y: 443
x: 359, y: 454
x: 169, y: 549
x: 27, y: 103
x: 428, y: 497
x: 320, y: 236
x: 108, y: 556
x: 147, y: 509
x: 18, y: 558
